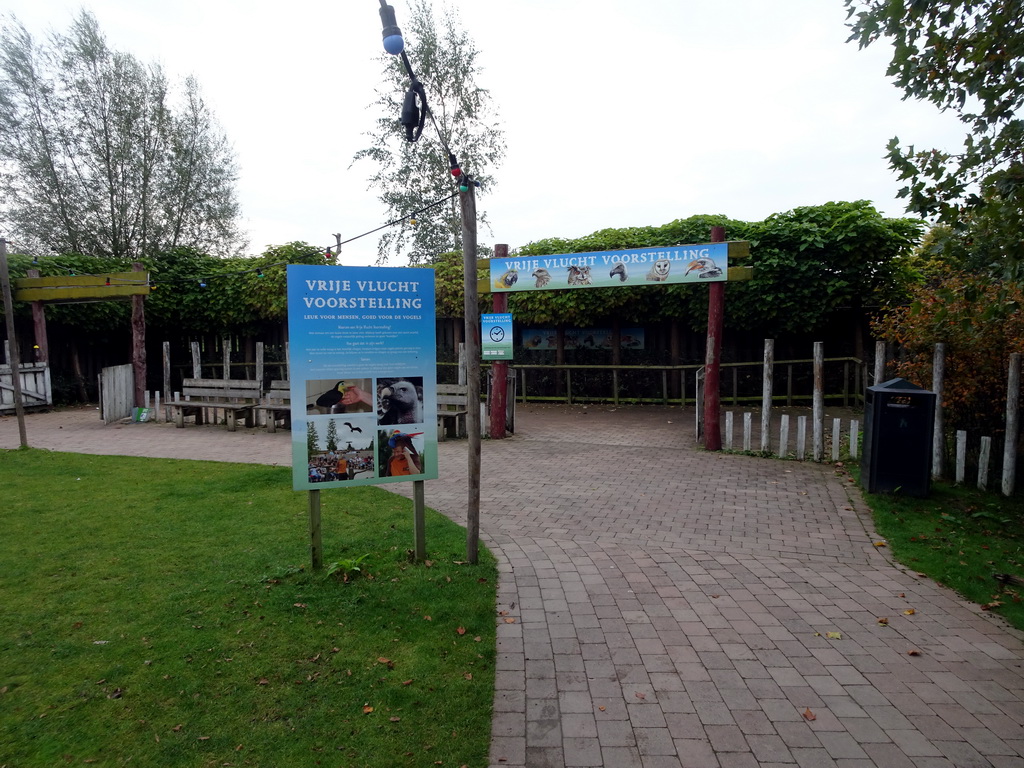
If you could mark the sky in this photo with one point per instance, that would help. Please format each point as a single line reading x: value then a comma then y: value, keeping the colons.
x: 616, y: 113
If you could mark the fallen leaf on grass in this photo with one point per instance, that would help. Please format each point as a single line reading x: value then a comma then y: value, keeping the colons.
x: 263, y: 681
x: 461, y: 630
x: 427, y: 618
x: 178, y: 727
x: 808, y: 715
x: 407, y: 682
x: 394, y: 719
x: 476, y: 639
x: 468, y: 675
x: 203, y: 738
x: 389, y: 662
x: 367, y: 709
x: 299, y: 605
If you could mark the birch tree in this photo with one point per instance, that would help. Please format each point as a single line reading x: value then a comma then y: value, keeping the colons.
x: 411, y: 175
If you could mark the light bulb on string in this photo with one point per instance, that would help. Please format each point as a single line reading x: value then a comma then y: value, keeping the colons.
x: 393, y: 42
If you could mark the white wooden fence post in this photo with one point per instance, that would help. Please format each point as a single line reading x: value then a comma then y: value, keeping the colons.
x: 983, y: 458
x: 784, y: 436
x: 854, y: 438
x: 801, y: 437
x: 748, y: 420
x: 766, y: 395
x: 818, y: 410
x: 1012, y: 425
x: 837, y: 437
x: 879, y: 362
x: 961, y: 456
x: 728, y: 430
x: 938, y: 435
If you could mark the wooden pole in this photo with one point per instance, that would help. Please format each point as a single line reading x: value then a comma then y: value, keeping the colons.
x: 316, y: 544
x: 39, y: 326
x: 14, y: 359
x: 768, y: 374
x: 139, y: 343
x: 961, y: 456
x: 818, y: 403
x: 1012, y: 425
x: 499, y: 370
x: 983, y: 459
x: 938, y: 436
x: 419, y: 526
x: 713, y: 358
x: 467, y: 203
x: 167, y: 377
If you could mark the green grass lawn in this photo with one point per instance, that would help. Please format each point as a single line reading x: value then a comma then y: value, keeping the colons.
x: 960, y: 537
x: 159, y: 613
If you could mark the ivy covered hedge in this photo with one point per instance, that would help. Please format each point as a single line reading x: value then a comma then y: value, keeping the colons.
x: 808, y: 263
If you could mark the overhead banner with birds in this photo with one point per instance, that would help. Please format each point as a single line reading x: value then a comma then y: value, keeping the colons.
x: 702, y: 263
x: 363, y: 376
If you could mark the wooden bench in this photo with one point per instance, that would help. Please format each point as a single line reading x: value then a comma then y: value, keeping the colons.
x: 277, y: 404
x: 451, y: 407
x: 233, y: 396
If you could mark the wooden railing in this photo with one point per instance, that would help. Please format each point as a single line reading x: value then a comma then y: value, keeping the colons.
x: 845, y: 381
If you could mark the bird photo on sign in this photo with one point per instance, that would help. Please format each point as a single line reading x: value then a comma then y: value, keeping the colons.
x: 341, y: 395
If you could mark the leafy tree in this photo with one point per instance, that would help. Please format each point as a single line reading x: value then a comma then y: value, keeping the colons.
x: 966, y: 56
x: 412, y: 175
x: 981, y: 324
x: 312, y: 439
x: 94, y: 158
x: 332, y: 436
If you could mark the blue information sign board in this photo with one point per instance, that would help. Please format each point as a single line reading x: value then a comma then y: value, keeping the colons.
x: 496, y: 336
x: 702, y: 263
x: 363, y: 375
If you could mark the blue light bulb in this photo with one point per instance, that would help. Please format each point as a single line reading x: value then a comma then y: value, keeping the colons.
x: 393, y: 42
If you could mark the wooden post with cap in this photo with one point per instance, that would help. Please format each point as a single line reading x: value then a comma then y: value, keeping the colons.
x: 713, y: 358
x: 499, y: 369
x: 12, y: 343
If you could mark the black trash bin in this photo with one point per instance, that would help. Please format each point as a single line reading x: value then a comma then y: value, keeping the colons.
x: 899, y: 420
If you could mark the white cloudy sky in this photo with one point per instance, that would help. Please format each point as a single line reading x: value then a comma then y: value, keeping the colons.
x: 616, y: 112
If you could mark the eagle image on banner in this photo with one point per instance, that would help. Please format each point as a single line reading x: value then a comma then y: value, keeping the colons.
x: 708, y: 262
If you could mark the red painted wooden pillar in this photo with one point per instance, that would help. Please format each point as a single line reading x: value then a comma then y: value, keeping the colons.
x: 499, y: 369
x: 712, y: 359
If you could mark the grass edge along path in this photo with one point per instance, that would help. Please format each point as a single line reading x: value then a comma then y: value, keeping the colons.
x: 159, y: 613
x: 958, y: 536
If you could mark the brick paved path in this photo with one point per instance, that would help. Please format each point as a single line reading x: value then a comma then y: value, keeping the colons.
x: 672, y: 607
